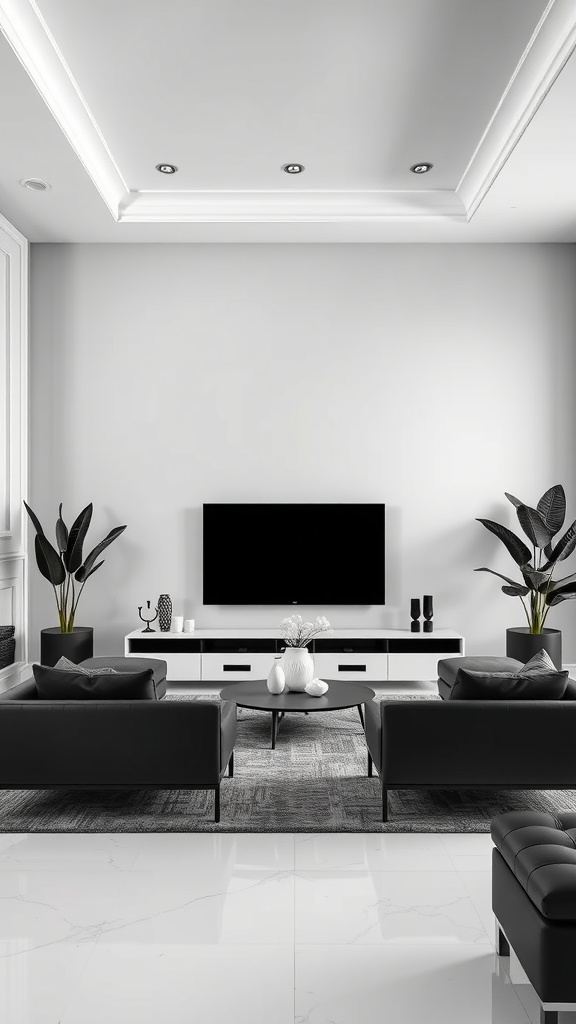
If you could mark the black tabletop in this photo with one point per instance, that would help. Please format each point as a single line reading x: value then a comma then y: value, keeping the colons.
x: 255, y: 694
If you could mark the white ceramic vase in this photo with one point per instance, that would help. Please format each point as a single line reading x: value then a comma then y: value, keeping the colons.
x: 298, y: 668
x: 276, y: 679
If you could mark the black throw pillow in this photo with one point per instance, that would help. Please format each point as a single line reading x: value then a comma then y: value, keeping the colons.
x: 508, y: 685
x: 55, y: 684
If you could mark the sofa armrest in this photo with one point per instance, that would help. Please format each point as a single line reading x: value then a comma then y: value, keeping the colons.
x: 25, y: 690
x: 373, y: 730
x: 228, y: 730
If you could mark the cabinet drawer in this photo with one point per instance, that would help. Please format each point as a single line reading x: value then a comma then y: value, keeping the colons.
x: 181, y: 668
x: 233, y: 668
x: 416, y: 666
x: 363, y: 667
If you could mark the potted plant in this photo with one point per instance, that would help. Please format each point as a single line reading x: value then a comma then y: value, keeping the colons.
x: 67, y: 570
x: 538, y: 590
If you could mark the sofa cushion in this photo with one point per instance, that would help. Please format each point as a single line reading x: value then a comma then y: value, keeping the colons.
x: 541, y: 662
x: 508, y: 685
x: 540, y: 849
x: 54, y: 684
x: 448, y: 667
x: 122, y: 664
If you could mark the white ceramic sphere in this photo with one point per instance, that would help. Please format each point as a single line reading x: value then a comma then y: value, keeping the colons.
x: 316, y: 688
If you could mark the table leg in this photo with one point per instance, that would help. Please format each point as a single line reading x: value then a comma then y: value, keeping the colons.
x: 274, y: 729
x: 361, y: 714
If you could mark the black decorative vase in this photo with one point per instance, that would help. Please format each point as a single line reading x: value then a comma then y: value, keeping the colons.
x: 428, y: 609
x: 76, y: 646
x: 164, y: 613
x: 523, y: 645
x: 415, y: 615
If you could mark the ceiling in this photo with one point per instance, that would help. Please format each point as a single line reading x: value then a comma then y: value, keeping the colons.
x: 95, y: 93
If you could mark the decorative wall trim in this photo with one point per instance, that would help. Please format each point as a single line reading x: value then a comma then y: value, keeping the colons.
x: 552, y: 43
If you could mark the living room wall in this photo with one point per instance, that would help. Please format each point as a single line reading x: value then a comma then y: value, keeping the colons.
x: 432, y: 378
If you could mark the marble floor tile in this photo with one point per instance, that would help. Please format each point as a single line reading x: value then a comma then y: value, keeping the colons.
x: 417, y: 985
x: 478, y: 886
x: 467, y: 843
x: 370, y: 851
x: 383, y: 907
x: 169, y: 852
x: 72, y: 851
x: 37, y: 985
x: 135, y: 984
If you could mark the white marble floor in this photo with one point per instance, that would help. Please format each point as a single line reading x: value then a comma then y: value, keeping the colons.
x: 253, y: 929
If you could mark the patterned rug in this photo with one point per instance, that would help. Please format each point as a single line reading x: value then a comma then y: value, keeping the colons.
x: 315, y: 781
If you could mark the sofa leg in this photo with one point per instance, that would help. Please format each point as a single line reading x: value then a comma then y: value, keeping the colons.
x: 384, y: 804
x: 231, y: 766
x: 369, y: 766
x: 217, y: 804
x: 502, y: 944
x: 548, y: 1016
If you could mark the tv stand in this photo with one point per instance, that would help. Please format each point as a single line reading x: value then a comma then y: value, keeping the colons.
x: 231, y: 655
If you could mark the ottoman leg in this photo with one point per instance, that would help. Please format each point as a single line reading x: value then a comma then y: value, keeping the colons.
x: 502, y: 944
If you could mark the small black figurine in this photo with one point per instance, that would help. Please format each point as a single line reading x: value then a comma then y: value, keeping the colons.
x: 415, y: 615
x: 428, y: 613
x: 147, y: 621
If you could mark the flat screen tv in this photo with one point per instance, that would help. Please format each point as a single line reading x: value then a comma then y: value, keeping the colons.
x: 293, y: 554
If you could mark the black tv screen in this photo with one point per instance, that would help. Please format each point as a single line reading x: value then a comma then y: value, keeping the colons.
x: 293, y: 554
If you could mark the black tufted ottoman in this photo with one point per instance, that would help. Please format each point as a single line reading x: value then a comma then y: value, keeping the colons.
x: 534, y: 902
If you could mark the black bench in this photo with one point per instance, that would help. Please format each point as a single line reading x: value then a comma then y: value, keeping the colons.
x: 534, y: 902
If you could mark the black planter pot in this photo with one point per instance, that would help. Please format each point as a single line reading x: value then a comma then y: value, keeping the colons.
x: 523, y: 645
x: 76, y: 646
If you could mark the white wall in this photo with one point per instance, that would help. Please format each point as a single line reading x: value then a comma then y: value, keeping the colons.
x: 432, y: 378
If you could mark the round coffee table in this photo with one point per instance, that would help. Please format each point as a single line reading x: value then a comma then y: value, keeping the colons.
x: 255, y: 695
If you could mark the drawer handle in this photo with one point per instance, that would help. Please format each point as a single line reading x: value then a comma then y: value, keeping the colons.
x: 236, y: 668
x: 347, y: 650
x: 351, y: 668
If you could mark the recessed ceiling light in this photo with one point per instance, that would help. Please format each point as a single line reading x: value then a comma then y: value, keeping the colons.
x: 166, y: 168
x: 293, y: 168
x: 421, y: 168
x: 35, y: 184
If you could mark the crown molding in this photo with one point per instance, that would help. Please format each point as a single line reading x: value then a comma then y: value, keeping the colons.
x: 552, y: 43
x: 29, y: 36
x: 279, y: 206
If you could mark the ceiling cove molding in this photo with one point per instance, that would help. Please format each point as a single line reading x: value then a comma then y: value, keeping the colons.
x: 27, y: 33
x: 278, y: 206
x: 550, y: 47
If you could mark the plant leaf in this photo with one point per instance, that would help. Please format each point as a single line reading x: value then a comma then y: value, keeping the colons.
x: 49, y: 561
x: 512, y: 583
x: 61, y: 532
x: 82, y: 575
x: 563, y: 548
x: 552, y: 508
x: 567, y: 593
x: 78, y: 530
x: 515, y: 501
x: 560, y: 583
x: 516, y: 591
x: 35, y: 520
x: 534, y: 526
x: 535, y: 578
x: 516, y: 547
x: 91, y: 558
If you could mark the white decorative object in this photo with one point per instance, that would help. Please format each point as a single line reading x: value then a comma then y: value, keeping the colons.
x: 189, y: 625
x: 276, y: 678
x: 316, y: 688
x: 298, y: 668
x: 177, y: 624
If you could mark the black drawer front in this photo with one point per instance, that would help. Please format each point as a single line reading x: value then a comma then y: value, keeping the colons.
x: 241, y: 646
x: 160, y: 646
x: 236, y: 668
x: 351, y: 668
x: 362, y: 646
x: 427, y: 645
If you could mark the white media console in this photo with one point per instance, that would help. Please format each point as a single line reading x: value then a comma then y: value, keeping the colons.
x: 231, y: 655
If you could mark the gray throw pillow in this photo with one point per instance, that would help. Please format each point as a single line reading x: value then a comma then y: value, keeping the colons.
x: 55, y: 684
x: 509, y: 685
x: 541, y: 662
x: 65, y: 665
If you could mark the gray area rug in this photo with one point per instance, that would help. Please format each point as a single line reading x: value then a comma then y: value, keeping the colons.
x: 315, y: 781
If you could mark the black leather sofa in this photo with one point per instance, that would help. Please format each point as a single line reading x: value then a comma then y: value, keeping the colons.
x: 114, y: 744
x: 472, y: 744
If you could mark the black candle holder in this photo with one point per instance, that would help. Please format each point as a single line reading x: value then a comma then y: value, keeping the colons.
x: 428, y: 606
x: 415, y: 615
x: 147, y: 621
